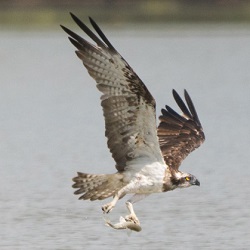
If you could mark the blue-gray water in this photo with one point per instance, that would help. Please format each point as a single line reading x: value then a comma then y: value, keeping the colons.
x: 51, y: 126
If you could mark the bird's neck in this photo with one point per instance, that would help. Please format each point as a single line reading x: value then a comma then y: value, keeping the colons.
x: 171, y: 180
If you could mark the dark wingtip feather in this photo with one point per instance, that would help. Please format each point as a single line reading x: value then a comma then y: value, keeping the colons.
x: 104, y: 43
x: 181, y: 104
x: 91, y: 20
x: 71, y: 14
x: 72, y: 34
x: 174, y: 114
x: 75, y: 43
x: 164, y: 111
x: 101, y: 34
x: 191, y: 106
x: 87, y: 30
x: 74, y: 17
x: 64, y: 28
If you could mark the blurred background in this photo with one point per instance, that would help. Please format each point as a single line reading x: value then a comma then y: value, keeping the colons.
x: 44, y: 13
x: 51, y: 122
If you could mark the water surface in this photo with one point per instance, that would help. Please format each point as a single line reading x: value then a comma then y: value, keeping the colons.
x: 51, y: 126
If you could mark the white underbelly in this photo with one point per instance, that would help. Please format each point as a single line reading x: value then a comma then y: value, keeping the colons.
x: 147, y: 180
x: 144, y: 187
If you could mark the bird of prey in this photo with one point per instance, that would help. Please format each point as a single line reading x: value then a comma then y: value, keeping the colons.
x: 147, y: 158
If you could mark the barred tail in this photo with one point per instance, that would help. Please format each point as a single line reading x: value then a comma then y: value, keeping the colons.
x: 97, y: 187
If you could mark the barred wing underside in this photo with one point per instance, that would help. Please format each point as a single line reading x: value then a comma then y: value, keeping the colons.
x: 128, y: 106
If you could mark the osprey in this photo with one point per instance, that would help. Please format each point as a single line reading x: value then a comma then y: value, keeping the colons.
x: 147, y: 158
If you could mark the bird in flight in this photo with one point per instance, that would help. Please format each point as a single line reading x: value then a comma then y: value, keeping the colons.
x: 147, y: 157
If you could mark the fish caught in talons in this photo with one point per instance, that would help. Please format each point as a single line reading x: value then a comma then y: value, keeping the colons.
x: 124, y: 224
x: 132, y: 216
x: 129, y: 222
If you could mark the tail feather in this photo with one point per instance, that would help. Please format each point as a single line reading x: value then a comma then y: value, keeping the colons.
x: 97, y: 187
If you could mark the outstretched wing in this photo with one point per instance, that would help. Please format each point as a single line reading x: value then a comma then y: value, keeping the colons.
x: 128, y: 107
x: 178, y: 134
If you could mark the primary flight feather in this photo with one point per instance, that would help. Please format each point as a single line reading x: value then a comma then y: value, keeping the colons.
x: 147, y: 158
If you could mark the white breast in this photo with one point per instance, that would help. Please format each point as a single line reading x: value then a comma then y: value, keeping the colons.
x: 145, y: 179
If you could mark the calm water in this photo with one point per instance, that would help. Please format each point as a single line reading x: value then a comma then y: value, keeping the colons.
x: 51, y: 126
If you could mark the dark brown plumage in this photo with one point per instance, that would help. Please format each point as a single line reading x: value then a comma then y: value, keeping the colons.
x: 178, y: 134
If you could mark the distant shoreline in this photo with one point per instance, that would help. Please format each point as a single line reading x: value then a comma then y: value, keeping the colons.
x: 49, y: 17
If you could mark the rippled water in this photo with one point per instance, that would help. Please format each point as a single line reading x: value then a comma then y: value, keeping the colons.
x: 51, y: 126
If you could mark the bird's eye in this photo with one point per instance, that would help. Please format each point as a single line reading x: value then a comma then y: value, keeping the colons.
x: 187, y: 178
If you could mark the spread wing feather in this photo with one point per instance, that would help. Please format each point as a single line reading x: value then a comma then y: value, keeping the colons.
x: 178, y: 134
x: 128, y: 107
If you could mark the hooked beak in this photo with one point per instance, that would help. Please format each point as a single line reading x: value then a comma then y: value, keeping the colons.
x: 196, y: 182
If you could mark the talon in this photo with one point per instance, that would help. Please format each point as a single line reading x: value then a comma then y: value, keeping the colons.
x: 107, y: 208
x: 132, y: 218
